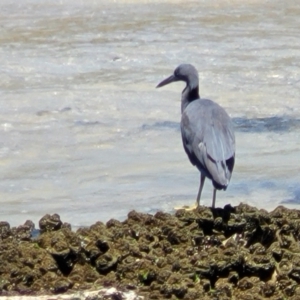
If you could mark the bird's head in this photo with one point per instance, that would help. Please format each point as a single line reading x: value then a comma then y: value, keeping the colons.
x: 184, y: 72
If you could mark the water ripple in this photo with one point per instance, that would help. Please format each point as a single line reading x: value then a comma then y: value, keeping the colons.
x: 271, y: 124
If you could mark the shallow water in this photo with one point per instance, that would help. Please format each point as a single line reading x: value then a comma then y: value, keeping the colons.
x: 85, y: 134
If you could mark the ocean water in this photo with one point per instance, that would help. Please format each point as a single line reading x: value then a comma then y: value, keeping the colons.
x: 85, y: 134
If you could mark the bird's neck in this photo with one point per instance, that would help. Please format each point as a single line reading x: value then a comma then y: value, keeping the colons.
x: 189, y: 95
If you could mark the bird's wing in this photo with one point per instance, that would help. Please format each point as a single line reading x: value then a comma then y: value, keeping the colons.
x: 208, y: 138
x: 218, y: 135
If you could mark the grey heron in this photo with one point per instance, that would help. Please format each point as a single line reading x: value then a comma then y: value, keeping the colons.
x: 207, y: 132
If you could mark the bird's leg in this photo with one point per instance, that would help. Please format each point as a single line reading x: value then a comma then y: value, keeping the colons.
x: 188, y: 208
x: 202, y: 179
x: 214, y: 198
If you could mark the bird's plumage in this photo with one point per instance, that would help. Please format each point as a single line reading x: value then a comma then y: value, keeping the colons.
x: 207, y: 131
x: 208, y: 139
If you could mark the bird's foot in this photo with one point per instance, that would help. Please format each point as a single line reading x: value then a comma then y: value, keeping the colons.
x: 186, y: 207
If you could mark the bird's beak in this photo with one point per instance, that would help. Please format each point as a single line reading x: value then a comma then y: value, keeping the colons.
x: 168, y: 80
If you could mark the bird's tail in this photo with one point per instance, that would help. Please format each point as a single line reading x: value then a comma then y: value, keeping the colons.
x: 221, y: 173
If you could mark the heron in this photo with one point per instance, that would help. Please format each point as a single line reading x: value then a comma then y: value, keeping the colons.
x: 207, y: 132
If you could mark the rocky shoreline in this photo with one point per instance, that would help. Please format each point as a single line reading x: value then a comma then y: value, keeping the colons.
x: 231, y: 253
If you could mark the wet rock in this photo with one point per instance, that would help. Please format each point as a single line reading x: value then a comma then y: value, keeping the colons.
x: 259, y: 264
x: 232, y: 253
x: 50, y: 223
x: 113, y: 223
x: 30, y: 225
x: 224, y: 287
x: 22, y: 233
x: 4, y: 230
x: 61, y: 286
x: 268, y: 290
x: 55, y: 243
x: 107, y: 262
x: 64, y: 246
